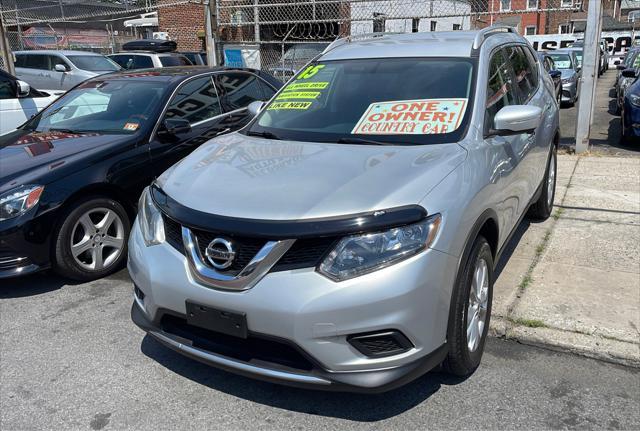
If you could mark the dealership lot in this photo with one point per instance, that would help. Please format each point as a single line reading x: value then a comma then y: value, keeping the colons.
x: 72, y: 358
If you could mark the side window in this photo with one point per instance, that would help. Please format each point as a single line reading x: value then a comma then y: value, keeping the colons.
x: 267, y: 90
x: 37, y: 61
x: 195, y: 101
x: 142, y: 62
x: 500, y: 90
x: 525, y: 74
x: 21, y: 61
x: 240, y: 89
x: 7, y: 88
x: 122, y: 60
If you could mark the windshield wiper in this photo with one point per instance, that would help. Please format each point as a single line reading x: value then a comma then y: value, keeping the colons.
x: 360, y: 141
x: 264, y: 134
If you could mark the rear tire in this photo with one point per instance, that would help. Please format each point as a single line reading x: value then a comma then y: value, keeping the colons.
x: 91, y: 241
x: 541, y: 209
x: 471, y: 311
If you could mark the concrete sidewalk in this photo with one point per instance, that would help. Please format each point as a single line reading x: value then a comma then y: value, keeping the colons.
x: 572, y: 282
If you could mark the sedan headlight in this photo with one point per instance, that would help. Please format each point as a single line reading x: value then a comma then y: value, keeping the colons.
x: 360, y: 254
x: 150, y: 219
x: 18, y: 201
x: 634, y: 99
x: 568, y: 80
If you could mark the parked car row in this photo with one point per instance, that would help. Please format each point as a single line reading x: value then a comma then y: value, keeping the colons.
x: 341, y: 236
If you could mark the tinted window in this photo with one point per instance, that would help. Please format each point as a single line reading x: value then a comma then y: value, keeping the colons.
x: 37, y: 61
x: 500, y: 91
x: 128, y: 61
x: 94, y: 63
x: 562, y: 61
x: 175, y: 60
x: 7, y: 88
x: 195, y: 101
x: 240, y: 89
x: 112, y: 106
x: 267, y: 90
x: 406, y: 101
x: 525, y: 75
x: 21, y: 60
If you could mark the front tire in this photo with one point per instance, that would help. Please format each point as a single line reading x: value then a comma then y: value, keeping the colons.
x: 541, y: 209
x: 91, y: 242
x: 471, y: 311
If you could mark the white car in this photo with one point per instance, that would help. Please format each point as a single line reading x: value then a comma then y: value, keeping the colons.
x: 19, y: 102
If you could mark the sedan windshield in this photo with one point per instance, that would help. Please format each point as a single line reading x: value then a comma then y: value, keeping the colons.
x: 93, y: 63
x: 110, y: 106
x: 562, y: 61
x: 373, y: 101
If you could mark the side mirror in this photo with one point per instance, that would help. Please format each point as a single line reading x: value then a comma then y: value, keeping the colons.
x: 555, y: 73
x: 60, y: 68
x: 629, y: 73
x: 617, y: 62
x: 255, y: 107
x: 24, y: 89
x: 516, y: 119
x: 174, y: 127
x: 620, y: 66
x: 578, y: 69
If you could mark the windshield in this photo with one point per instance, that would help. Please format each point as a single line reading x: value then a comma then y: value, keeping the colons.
x: 562, y: 61
x: 404, y: 101
x: 94, y: 63
x: 112, y: 106
x: 177, y: 60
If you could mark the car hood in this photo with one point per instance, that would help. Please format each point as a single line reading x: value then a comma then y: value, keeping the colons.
x: 247, y: 177
x: 28, y: 156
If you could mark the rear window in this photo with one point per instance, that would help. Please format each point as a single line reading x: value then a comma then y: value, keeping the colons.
x: 178, y: 60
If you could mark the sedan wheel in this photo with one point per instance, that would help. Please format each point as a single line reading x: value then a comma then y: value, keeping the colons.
x: 97, y: 239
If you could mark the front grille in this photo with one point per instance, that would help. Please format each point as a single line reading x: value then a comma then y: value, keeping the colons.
x: 305, y: 253
x: 253, y: 349
x: 380, y: 344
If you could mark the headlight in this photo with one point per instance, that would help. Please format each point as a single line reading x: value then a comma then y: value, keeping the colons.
x: 360, y: 254
x: 150, y: 220
x: 568, y: 80
x: 634, y: 99
x: 18, y: 201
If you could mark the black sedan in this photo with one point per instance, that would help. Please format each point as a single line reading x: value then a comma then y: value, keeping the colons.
x: 71, y: 175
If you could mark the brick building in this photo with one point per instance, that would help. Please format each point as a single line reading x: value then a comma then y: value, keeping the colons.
x: 183, y: 23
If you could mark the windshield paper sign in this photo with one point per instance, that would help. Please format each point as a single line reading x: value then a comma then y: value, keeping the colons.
x: 411, y: 117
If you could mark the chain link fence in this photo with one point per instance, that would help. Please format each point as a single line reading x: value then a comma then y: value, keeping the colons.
x: 282, y: 35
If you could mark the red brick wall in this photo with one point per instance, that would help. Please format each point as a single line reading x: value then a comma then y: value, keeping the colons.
x: 183, y: 23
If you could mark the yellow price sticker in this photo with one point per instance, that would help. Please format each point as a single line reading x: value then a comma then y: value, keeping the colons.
x: 298, y: 95
x: 289, y: 105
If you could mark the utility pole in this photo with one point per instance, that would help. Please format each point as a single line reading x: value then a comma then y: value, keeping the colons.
x: 210, y: 19
x: 590, y: 67
x: 7, y: 56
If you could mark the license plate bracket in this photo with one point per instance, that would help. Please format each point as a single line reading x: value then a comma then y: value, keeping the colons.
x: 217, y: 320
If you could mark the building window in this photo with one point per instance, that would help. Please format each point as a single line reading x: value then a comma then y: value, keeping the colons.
x: 532, y: 4
x: 457, y: 26
x: 564, y: 28
x: 415, y: 25
x: 530, y: 30
x: 566, y: 3
x: 433, y: 25
x: 379, y: 20
x: 505, y: 5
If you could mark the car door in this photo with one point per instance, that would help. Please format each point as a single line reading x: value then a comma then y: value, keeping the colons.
x: 238, y: 89
x: 506, y: 152
x: 197, y: 102
x: 11, y: 112
x: 60, y: 80
x: 36, y: 69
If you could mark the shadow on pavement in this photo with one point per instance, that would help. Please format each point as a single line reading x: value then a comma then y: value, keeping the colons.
x: 510, y: 247
x: 35, y: 284
x: 356, y: 407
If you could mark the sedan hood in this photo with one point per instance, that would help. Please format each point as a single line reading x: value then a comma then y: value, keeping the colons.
x: 28, y: 156
x: 248, y: 177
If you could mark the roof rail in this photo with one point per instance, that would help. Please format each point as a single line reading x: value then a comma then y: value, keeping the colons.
x: 488, y: 31
x: 344, y: 40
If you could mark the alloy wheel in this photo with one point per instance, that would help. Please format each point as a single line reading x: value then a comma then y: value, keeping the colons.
x: 551, y: 180
x: 478, y: 301
x: 97, y: 239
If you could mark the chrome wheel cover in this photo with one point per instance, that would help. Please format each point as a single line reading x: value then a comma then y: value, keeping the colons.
x: 551, y: 181
x: 97, y: 239
x: 478, y: 302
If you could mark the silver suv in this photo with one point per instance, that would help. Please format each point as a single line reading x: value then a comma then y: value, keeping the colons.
x: 347, y: 237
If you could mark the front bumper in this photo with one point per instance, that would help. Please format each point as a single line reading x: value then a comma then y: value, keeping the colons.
x: 569, y: 91
x: 24, y: 248
x: 312, y: 313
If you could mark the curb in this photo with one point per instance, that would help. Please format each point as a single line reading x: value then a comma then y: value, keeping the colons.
x: 588, y: 345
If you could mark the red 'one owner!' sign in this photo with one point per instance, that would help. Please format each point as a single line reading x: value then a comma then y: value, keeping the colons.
x: 411, y: 117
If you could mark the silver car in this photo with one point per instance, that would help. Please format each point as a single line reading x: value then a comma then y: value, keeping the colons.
x: 346, y: 238
x: 567, y: 63
x: 60, y: 70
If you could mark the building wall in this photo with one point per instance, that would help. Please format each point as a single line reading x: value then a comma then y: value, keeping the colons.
x: 183, y: 23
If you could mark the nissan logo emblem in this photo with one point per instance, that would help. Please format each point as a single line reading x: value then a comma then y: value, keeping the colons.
x: 220, y: 253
